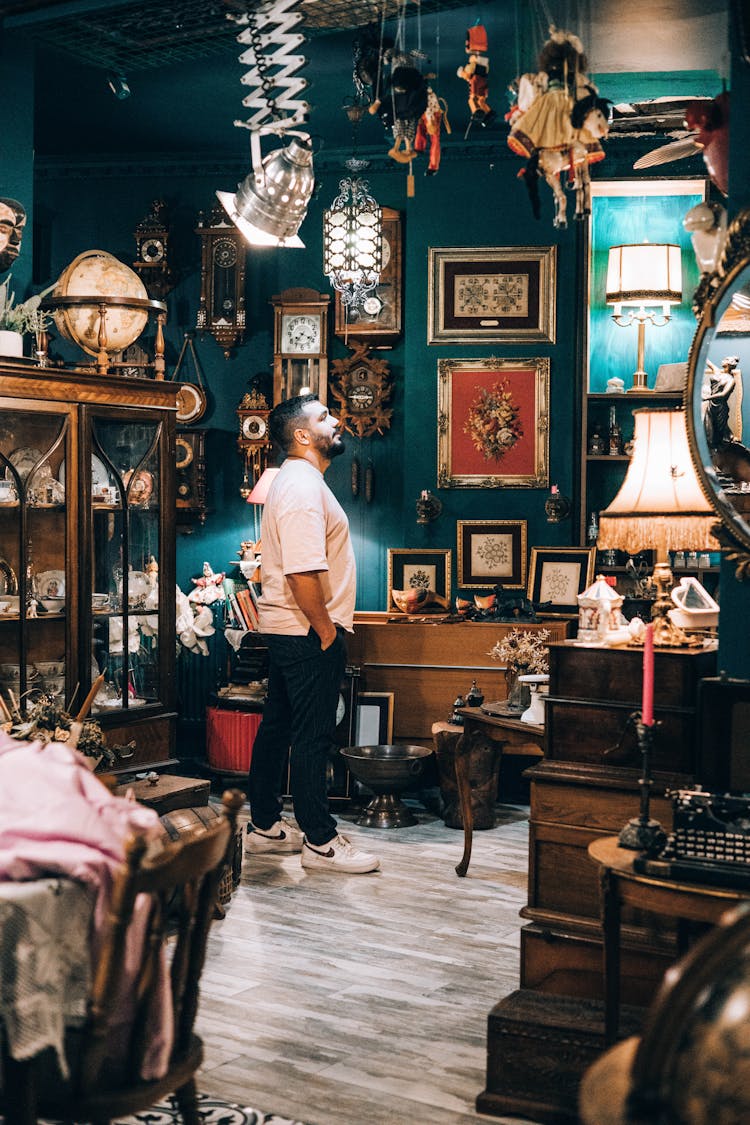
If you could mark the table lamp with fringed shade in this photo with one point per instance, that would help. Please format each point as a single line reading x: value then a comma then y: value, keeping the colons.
x: 660, y: 507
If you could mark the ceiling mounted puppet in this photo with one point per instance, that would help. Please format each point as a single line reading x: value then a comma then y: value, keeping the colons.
x: 12, y: 222
x: 558, y: 122
x: 475, y: 71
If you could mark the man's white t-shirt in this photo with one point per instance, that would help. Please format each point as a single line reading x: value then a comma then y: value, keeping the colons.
x: 304, y: 528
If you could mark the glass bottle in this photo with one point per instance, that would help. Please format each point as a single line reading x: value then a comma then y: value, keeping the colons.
x: 592, y: 533
x: 615, y: 434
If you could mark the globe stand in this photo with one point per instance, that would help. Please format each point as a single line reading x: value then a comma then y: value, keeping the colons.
x: 103, y: 306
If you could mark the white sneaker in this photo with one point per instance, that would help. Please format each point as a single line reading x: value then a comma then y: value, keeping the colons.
x: 338, y: 855
x: 280, y: 839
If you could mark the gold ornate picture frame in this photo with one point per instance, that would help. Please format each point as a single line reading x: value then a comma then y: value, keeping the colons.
x: 493, y: 423
x: 492, y: 295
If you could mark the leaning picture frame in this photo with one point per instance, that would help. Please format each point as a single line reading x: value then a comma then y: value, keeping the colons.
x: 413, y: 567
x: 492, y: 295
x: 491, y: 553
x: 374, y: 725
x: 557, y: 575
x: 493, y: 423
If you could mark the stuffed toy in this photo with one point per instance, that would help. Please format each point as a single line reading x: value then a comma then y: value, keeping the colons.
x: 402, y: 104
x: 429, y: 126
x: 475, y: 72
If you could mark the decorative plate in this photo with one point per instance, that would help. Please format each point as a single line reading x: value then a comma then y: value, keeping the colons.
x: 51, y: 584
x: 23, y: 461
x: 141, y: 487
x: 99, y: 475
x: 191, y: 403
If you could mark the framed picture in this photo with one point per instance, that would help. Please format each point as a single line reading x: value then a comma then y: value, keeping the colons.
x: 491, y: 553
x: 493, y: 423
x: 374, y: 718
x: 557, y: 575
x: 492, y: 295
x: 430, y: 569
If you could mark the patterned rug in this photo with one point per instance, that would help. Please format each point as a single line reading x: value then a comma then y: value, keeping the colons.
x: 214, y: 1111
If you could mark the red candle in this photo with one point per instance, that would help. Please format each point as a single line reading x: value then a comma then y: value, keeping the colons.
x: 647, y: 705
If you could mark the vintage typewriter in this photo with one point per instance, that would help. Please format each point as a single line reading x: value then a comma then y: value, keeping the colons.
x: 710, y: 841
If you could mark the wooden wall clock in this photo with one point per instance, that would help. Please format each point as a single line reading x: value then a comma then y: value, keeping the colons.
x: 300, y: 344
x: 254, y: 440
x: 362, y: 386
x: 221, y: 310
x: 378, y: 321
x: 190, y: 466
x: 152, y: 252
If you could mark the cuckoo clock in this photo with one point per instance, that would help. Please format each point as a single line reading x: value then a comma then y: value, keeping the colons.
x: 361, y: 386
x: 300, y: 344
x: 152, y: 252
x: 221, y: 310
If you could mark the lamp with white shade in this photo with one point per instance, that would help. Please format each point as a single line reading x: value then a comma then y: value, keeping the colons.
x: 645, y: 280
x: 660, y: 507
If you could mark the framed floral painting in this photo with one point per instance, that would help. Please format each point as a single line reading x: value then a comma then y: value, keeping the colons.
x: 414, y: 568
x: 491, y: 553
x: 557, y: 575
x: 492, y: 295
x: 493, y: 423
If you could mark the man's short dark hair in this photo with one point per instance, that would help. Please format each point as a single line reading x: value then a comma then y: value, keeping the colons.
x: 285, y: 418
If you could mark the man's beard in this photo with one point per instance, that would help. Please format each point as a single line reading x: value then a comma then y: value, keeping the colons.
x: 330, y: 447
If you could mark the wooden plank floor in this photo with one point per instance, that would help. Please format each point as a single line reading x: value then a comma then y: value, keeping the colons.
x: 363, y: 999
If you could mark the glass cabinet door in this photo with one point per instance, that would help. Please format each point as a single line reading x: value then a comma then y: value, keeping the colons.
x: 37, y: 603
x: 126, y: 462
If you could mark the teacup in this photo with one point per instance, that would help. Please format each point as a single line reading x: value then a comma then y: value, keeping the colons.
x: 99, y: 601
x: 7, y: 491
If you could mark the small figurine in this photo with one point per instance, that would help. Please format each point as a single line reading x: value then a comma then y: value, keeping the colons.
x: 429, y: 126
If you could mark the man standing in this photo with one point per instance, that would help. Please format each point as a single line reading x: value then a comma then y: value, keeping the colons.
x: 307, y: 605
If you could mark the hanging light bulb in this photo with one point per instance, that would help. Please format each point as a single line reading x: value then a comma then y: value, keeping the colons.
x: 353, y: 242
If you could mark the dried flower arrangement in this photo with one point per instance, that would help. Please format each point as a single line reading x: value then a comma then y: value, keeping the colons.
x: 522, y: 650
x: 48, y: 721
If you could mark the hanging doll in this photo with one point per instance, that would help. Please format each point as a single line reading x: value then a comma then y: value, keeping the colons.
x: 428, y: 128
x: 403, y: 102
x: 475, y: 71
x: 558, y: 122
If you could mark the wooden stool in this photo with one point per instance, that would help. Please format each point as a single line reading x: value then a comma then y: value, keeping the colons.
x: 484, y: 774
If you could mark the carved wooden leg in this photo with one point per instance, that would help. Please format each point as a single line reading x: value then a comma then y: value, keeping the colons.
x: 463, y: 752
x: 187, y: 1102
x: 610, y: 911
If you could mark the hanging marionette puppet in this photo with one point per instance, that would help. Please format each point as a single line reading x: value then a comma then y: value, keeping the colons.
x: 434, y: 118
x: 558, y: 122
x: 402, y: 103
x: 475, y: 71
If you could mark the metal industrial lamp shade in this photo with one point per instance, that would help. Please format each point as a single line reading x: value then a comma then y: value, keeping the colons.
x: 271, y: 202
x: 660, y: 506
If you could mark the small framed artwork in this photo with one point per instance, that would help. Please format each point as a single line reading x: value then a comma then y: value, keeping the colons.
x: 557, y: 575
x: 374, y: 718
x: 493, y: 423
x: 491, y: 553
x: 414, y: 568
x: 492, y: 295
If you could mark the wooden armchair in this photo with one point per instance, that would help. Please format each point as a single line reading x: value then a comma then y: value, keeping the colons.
x: 182, y: 884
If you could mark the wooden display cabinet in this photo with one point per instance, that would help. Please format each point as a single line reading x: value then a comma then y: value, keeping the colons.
x: 87, y: 550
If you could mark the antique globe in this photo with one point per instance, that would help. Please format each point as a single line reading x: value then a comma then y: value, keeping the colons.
x: 93, y: 281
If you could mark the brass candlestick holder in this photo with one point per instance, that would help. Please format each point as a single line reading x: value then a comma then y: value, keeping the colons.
x: 641, y: 833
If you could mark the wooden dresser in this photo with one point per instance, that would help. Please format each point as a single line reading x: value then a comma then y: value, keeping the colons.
x: 587, y: 786
x: 428, y: 664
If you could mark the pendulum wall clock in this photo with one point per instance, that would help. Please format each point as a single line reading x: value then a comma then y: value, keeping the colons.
x: 378, y: 319
x: 300, y: 344
x: 152, y: 252
x: 221, y: 310
x: 254, y: 441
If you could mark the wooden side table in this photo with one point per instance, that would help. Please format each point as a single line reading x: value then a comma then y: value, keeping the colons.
x: 488, y: 737
x: 620, y: 886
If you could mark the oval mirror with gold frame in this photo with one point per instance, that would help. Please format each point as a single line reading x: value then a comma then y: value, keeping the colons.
x: 717, y: 396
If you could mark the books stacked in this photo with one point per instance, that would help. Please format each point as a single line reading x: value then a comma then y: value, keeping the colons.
x: 244, y: 603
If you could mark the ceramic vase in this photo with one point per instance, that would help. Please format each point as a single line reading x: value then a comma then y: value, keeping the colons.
x: 11, y: 344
